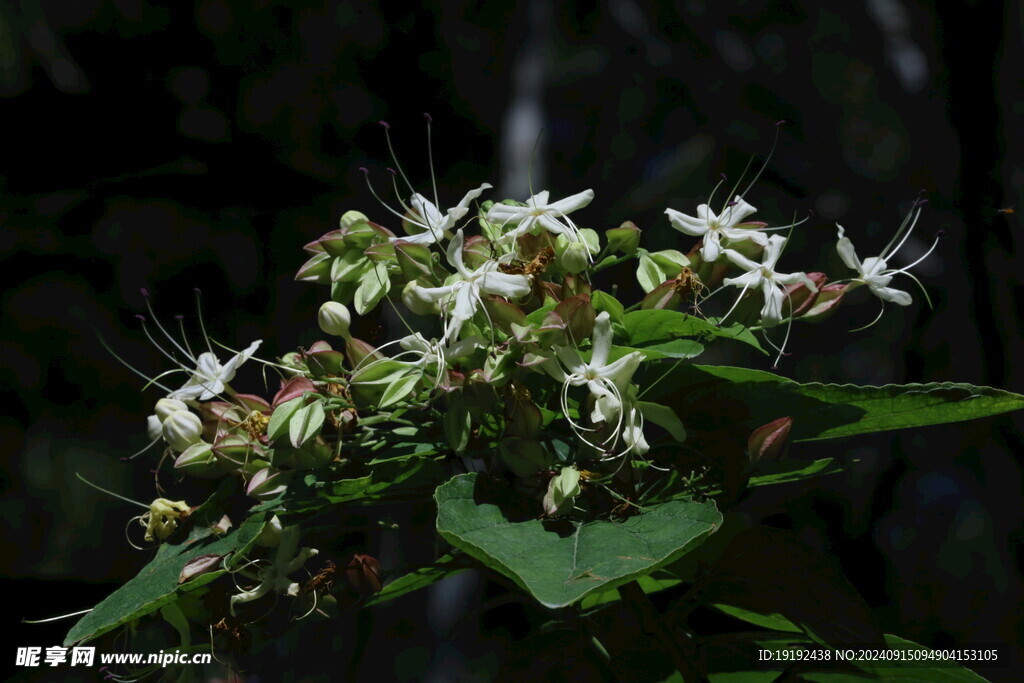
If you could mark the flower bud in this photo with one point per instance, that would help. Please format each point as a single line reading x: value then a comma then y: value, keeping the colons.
x: 562, y: 490
x: 166, y: 406
x: 335, y: 319
x: 575, y: 257
x: 579, y: 316
x: 182, y: 429
x: 828, y: 299
x: 316, y: 269
x: 153, y: 427
x: 625, y: 238
x: 414, y: 259
x: 523, y: 456
x: 799, y: 299
x: 476, y: 251
x: 198, y: 461
x: 767, y: 442
x: 357, y: 351
x: 665, y: 295
x: 363, y: 573
x: 522, y: 416
x: 293, y: 388
x: 267, y: 483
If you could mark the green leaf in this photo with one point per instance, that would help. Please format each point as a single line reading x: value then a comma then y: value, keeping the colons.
x: 773, y: 622
x: 664, y: 417
x: 680, y: 348
x: 559, y: 562
x: 784, y: 471
x: 279, y: 418
x: 602, y: 301
x: 458, y: 424
x: 647, y: 273
x: 157, y: 584
x: 375, y: 283
x: 657, y: 326
x: 399, y: 390
x: 649, y: 584
x: 416, y: 579
x: 752, y: 398
x: 306, y: 423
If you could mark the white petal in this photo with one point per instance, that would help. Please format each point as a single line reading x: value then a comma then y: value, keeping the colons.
x: 712, y: 247
x: 743, y: 262
x: 539, y: 200
x: 771, y: 314
x: 455, y: 254
x: 602, y: 339
x: 772, y: 252
x: 428, y: 213
x: 844, y: 247
x: 432, y: 294
x: 505, y: 284
x: 570, y: 358
x: 687, y: 224
x: 621, y: 371
x: 896, y: 296
x: 749, y: 279
x: 465, y: 302
x: 732, y: 215
x: 228, y: 371
x: 503, y: 213
x: 570, y: 204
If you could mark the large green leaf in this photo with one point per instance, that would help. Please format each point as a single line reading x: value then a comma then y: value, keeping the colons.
x: 709, y: 395
x: 157, y: 583
x: 660, y: 326
x: 559, y: 562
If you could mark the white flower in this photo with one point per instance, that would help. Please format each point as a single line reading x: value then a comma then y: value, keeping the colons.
x: 552, y: 217
x: 609, y: 384
x: 713, y: 228
x: 426, y: 215
x: 763, y: 275
x: 874, y: 271
x: 463, y: 295
x: 210, y: 377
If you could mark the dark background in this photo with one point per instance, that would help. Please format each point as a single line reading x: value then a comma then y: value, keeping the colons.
x: 202, y: 146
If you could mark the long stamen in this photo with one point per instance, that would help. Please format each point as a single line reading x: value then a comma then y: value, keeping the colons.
x: 202, y: 325
x: 128, y: 365
x: 394, y: 157
x: 174, y: 342
x: 771, y: 153
x: 738, y: 300
x: 184, y: 337
x: 366, y: 174
x: 111, y: 493
x: 904, y: 269
x: 142, y: 319
x: 430, y: 157
x: 910, y: 218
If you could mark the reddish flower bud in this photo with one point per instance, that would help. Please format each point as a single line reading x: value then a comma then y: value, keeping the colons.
x: 799, y: 298
x: 768, y: 441
x: 363, y: 573
x: 293, y: 388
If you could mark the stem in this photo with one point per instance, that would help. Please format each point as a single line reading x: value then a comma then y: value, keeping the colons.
x: 680, y: 652
x: 609, y: 263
